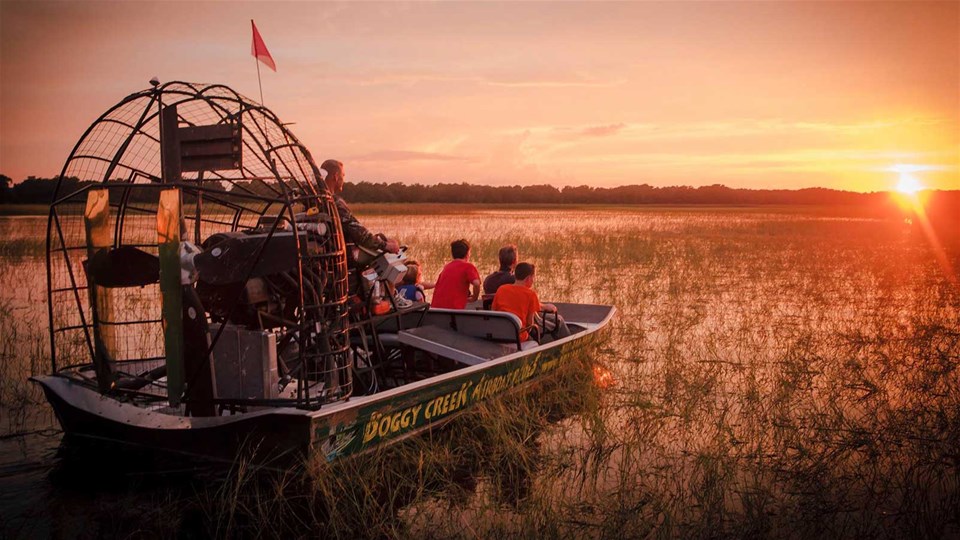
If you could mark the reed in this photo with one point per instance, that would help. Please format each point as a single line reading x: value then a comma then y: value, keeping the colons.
x: 776, y: 373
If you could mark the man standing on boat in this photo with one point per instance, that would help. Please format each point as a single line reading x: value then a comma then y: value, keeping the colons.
x: 353, y: 231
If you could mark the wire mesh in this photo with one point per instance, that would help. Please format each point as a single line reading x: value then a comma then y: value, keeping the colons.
x: 121, y: 152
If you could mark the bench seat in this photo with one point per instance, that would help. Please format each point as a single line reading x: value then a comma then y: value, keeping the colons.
x: 462, y: 348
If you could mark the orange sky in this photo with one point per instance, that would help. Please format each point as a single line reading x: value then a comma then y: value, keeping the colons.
x: 758, y: 95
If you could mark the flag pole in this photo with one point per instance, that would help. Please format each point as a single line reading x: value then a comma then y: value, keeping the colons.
x: 257, y: 62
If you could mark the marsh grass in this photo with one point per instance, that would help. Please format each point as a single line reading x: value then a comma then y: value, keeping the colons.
x: 20, y: 401
x: 492, y: 451
x: 21, y: 248
x: 777, y: 374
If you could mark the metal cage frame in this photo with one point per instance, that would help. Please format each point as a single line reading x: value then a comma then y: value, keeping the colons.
x: 121, y: 152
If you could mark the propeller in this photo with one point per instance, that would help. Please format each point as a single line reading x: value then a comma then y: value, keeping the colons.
x: 96, y: 221
x: 171, y: 292
x: 185, y: 330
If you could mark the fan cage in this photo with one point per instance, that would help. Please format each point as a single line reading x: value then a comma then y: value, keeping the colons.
x: 121, y: 153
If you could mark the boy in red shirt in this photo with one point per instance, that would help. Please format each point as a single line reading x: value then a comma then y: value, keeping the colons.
x: 459, y: 281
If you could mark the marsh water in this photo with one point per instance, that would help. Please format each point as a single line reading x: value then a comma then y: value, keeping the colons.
x: 770, y: 372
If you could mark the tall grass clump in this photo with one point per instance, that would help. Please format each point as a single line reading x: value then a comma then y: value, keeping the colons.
x: 491, y: 451
x: 23, y: 338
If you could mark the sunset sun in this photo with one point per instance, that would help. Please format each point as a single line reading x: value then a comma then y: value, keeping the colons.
x: 908, y: 184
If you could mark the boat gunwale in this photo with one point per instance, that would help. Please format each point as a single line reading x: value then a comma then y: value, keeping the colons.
x: 361, y: 401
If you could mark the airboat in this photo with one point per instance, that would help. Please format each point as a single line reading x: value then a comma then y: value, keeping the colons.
x: 203, y: 300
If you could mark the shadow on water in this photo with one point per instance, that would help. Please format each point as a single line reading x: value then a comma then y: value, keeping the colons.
x: 83, y: 488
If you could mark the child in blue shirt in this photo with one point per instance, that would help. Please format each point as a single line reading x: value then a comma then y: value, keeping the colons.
x: 413, y: 288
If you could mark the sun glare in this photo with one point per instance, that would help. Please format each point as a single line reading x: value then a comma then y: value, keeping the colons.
x: 908, y: 184
x: 603, y: 377
x: 909, y: 193
x: 912, y: 197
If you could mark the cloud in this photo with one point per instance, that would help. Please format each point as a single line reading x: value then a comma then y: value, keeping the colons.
x: 601, y: 130
x: 809, y: 159
x: 403, y: 77
x: 746, y: 127
x: 397, y: 78
x: 773, y: 126
x: 554, y: 81
x: 407, y: 155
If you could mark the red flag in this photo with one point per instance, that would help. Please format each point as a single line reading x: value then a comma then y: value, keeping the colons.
x: 259, y: 49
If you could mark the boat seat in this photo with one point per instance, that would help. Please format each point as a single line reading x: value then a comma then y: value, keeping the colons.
x: 454, y: 345
x: 499, y: 326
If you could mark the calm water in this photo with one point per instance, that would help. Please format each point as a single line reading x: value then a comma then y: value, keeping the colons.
x: 774, y: 369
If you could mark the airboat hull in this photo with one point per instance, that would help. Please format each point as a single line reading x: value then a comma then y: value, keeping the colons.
x: 84, y: 413
x: 357, y: 425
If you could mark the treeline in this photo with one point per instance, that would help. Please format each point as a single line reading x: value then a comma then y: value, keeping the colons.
x: 34, y: 190
x: 40, y: 191
x: 634, y: 194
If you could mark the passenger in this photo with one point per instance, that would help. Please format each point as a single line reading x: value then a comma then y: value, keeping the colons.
x: 413, y: 287
x: 520, y: 299
x: 353, y: 231
x: 508, y: 261
x: 459, y: 281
